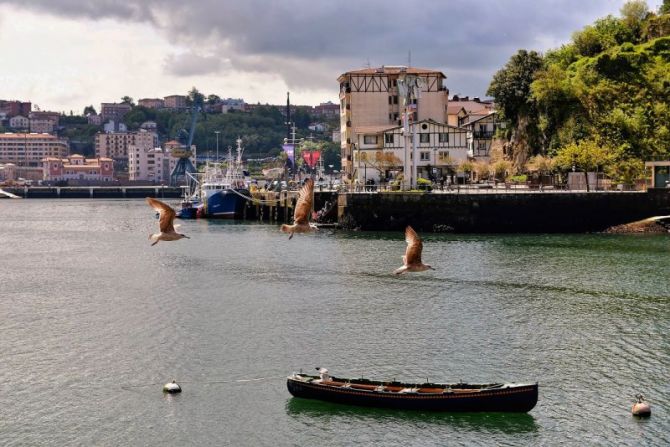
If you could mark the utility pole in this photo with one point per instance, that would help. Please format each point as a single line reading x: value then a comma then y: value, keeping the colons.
x: 409, y: 87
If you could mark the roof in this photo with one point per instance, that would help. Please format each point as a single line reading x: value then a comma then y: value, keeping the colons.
x: 480, y: 118
x: 372, y: 129
x: 473, y: 106
x: 391, y: 69
x: 455, y: 108
x: 431, y: 122
x: 28, y: 136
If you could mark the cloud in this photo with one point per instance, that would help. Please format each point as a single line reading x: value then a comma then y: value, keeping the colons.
x: 309, y: 43
x: 192, y: 64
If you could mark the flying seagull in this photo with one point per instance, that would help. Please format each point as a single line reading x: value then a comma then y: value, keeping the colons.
x: 165, y: 223
x: 303, y: 209
x: 412, y: 259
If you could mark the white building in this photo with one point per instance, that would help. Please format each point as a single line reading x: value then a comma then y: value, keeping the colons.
x: 440, y: 149
x: 19, y: 122
x: 153, y: 165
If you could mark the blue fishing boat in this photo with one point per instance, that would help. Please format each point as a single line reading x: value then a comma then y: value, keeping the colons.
x: 218, y: 192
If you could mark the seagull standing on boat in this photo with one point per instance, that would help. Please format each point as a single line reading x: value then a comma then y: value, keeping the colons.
x: 412, y: 259
x: 166, y: 223
x: 303, y: 209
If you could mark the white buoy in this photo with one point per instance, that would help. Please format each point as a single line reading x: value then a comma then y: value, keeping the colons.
x: 641, y: 408
x: 171, y: 388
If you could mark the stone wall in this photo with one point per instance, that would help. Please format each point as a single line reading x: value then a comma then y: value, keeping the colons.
x: 500, y: 212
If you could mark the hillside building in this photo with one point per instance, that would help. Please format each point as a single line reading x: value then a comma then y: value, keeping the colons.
x: 29, y: 149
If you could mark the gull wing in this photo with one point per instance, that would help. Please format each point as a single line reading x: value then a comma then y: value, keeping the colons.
x: 166, y: 214
x: 303, y: 207
x: 414, y: 247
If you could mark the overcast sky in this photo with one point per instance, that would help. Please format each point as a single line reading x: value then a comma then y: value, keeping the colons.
x: 65, y: 54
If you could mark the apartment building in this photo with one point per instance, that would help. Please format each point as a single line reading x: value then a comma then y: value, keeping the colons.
x: 153, y: 165
x: 371, y: 103
x: 42, y: 125
x: 19, y: 122
x: 115, y: 145
x: 29, y: 149
x: 151, y: 103
x: 114, y: 111
x: 13, y: 108
x: 76, y: 168
x: 440, y: 149
x: 175, y: 102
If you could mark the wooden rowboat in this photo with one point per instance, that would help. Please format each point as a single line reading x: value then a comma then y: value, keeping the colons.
x: 510, y: 397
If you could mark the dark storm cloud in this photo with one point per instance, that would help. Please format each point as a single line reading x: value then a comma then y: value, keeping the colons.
x: 309, y: 43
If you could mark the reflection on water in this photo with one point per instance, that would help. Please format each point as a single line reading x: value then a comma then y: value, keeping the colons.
x: 508, y: 423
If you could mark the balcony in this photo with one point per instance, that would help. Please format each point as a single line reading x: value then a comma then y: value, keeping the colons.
x: 483, y: 134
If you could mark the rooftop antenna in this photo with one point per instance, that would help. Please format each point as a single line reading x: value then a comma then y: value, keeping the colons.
x: 368, y: 65
x: 409, y: 58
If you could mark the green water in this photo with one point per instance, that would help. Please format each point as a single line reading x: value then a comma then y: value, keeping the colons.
x: 93, y: 321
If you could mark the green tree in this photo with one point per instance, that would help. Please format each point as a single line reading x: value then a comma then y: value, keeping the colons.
x: 213, y: 99
x: 665, y: 7
x: 89, y: 110
x: 127, y: 100
x: 195, y: 97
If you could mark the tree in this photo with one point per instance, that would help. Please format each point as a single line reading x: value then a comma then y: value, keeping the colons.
x: 194, y: 97
x: 381, y: 161
x: 89, y: 110
x: 213, y: 99
x: 633, y: 13
x: 665, y: 7
x: 127, y: 100
x: 511, y: 88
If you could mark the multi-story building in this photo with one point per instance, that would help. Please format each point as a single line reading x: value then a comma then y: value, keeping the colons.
x: 94, y: 119
x: 371, y: 103
x: 42, y: 125
x: 151, y: 103
x: 13, y: 108
x: 114, y: 111
x: 326, y: 110
x: 482, y: 130
x: 39, y: 115
x: 229, y: 104
x: 29, y: 149
x: 153, y: 165
x: 175, y: 102
x: 76, y: 168
x: 440, y: 149
x: 19, y: 122
x: 115, y: 144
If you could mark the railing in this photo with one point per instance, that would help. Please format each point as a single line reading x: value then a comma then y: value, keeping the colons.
x: 483, y: 134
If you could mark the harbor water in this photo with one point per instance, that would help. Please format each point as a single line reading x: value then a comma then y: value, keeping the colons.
x: 93, y: 322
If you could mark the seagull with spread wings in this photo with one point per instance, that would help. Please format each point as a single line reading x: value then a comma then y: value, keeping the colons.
x: 165, y: 223
x: 412, y: 259
x: 303, y: 209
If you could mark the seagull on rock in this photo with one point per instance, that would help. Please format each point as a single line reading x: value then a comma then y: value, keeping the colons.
x: 303, y: 209
x: 412, y: 259
x: 165, y: 223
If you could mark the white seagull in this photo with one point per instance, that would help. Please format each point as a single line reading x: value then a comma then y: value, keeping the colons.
x: 412, y: 259
x: 303, y: 209
x: 165, y: 223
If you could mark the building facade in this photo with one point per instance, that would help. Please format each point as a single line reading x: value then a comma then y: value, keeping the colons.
x: 13, y: 108
x: 151, y: 103
x: 114, y: 111
x: 152, y: 165
x: 76, y: 168
x: 370, y: 103
x: 482, y: 129
x: 381, y: 154
x: 326, y: 110
x: 175, y: 102
x: 115, y: 145
x: 42, y: 125
x: 19, y: 122
x: 29, y: 149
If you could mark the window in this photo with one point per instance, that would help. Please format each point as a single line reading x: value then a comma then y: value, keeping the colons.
x: 388, y: 138
x: 393, y: 99
x: 443, y: 137
x: 370, y: 139
x: 425, y: 156
x: 424, y: 138
x: 443, y: 156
